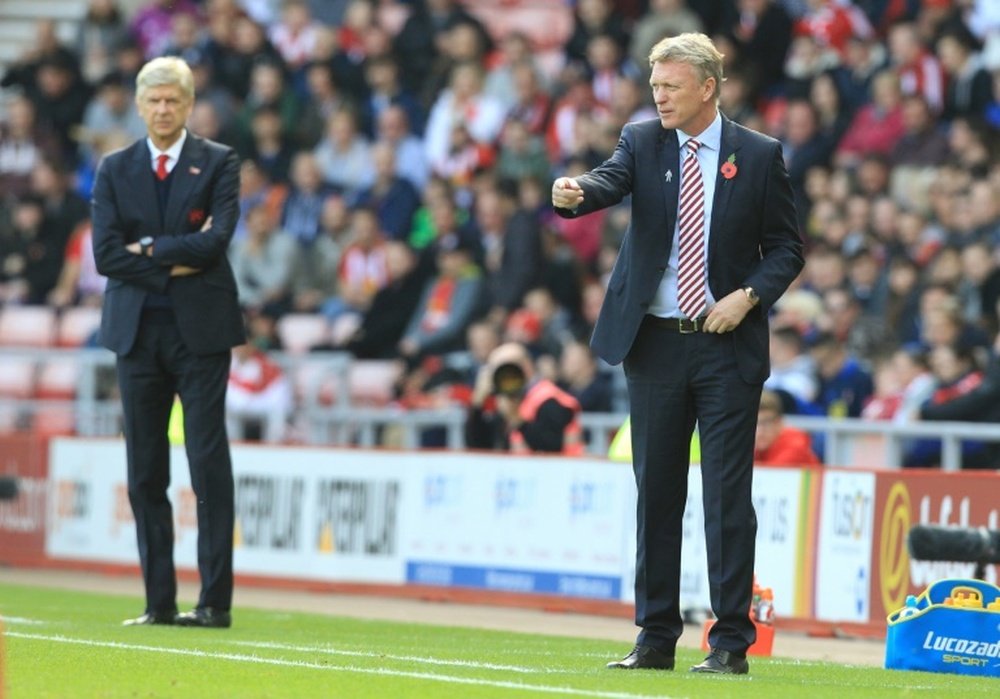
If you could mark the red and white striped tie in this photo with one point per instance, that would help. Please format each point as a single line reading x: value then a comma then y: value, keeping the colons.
x: 691, y: 256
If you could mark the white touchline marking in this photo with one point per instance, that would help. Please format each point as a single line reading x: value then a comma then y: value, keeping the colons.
x: 16, y: 620
x: 256, y: 659
x: 328, y: 650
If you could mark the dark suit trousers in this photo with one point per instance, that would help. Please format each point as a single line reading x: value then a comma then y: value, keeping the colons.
x: 675, y: 380
x: 159, y: 366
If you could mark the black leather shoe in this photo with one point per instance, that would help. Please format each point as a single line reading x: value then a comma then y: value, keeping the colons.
x: 645, y: 658
x: 722, y: 662
x: 205, y: 617
x: 152, y: 619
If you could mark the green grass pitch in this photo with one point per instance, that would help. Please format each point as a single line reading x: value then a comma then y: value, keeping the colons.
x: 71, y: 645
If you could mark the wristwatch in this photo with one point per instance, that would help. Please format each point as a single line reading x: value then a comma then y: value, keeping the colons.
x: 145, y: 245
x: 752, y: 296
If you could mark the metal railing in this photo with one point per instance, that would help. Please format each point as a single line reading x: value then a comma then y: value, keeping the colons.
x: 325, y: 413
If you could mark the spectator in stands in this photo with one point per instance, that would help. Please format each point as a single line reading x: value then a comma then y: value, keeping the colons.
x: 268, y: 145
x: 64, y: 209
x: 792, y: 369
x: 957, y: 376
x: 512, y: 244
x: 981, y: 403
x: 665, y: 18
x: 522, y: 154
x: 804, y: 147
x: 513, y: 411
x: 776, y: 444
x: 109, y: 112
x: 501, y: 82
x: 268, y: 91
x: 532, y: 104
x: 236, y: 56
x: 386, y: 90
x: 462, y: 103
x: 264, y: 263
x: 344, y: 154
x: 604, y: 61
x: 315, y: 278
x: 762, y: 30
x: 922, y: 143
x: 98, y: 34
x: 304, y: 204
x: 449, y: 303
x: 969, y: 86
x: 844, y: 384
x: 481, y: 338
x: 79, y: 282
x: 151, y: 24
x: 256, y: 189
x: 593, y: 18
x: 394, y: 198
x: 46, y: 47
x: 862, y: 59
x: 186, y: 39
x: 323, y: 98
x: 979, y: 289
x: 580, y: 377
x: 363, y: 270
x: 918, y: 70
x: 258, y: 396
x: 295, y: 35
x: 877, y: 127
x: 411, y: 160
x: 418, y: 43
x: 23, y: 143
x: 392, y: 307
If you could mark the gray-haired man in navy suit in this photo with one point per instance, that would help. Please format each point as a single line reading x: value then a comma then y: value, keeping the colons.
x: 712, y: 244
x: 164, y: 210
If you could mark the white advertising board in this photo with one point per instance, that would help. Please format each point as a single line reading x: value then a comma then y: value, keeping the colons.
x: 843, y: 571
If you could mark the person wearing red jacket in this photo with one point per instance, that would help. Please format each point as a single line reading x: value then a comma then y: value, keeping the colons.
x: 777, y: 444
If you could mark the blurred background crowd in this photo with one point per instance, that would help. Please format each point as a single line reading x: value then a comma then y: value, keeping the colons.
x: 397, y: 159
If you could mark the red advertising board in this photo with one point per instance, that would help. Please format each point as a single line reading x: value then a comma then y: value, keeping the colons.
x: 904, y: 499
x: 22, y: 520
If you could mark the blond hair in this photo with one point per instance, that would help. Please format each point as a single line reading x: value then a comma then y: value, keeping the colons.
x: 695, y: 49
x: 165, y: 70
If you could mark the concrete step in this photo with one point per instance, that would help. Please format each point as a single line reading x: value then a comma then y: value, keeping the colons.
x: 43, y: 9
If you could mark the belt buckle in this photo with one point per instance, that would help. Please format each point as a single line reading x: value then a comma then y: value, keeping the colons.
x: 681, y: 329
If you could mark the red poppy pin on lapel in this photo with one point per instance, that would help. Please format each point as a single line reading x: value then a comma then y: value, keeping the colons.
x: 196, y: 217
x: 729, y: 168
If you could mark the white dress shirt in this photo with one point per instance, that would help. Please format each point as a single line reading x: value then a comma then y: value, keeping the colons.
x: 173, y: 152
x: 665, y: 302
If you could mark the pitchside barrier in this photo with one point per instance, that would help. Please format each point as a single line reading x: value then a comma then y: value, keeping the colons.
x: 542, y: 531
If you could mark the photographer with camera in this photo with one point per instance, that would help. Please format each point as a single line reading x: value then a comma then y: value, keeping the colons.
x: 512, y: 410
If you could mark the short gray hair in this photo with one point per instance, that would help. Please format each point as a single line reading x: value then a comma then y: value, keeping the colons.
x: 165, y: 70
x: 695, y: 49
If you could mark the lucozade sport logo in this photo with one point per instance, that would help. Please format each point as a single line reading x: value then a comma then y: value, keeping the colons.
x: 894, y: 559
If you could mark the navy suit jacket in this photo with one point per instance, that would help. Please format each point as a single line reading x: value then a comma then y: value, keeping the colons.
x: 204, y: 182
x: 753, y: 235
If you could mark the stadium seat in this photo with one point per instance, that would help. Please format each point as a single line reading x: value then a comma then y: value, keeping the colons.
x: 373, y: 381
x: 58, y: 378
x: 76, y: 325
x: 17, y: 377
x: 300, y: 332
x: 55, y: 419
x: 27, y: 326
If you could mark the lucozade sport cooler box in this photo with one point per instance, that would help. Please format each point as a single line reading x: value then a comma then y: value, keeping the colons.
x: 952, y: 626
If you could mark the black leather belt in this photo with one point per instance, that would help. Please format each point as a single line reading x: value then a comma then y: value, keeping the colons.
x: 684, y: 326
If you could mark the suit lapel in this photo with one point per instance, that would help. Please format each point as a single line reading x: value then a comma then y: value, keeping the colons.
x: 729, y: 145
x: 188, y: 172
x: 140, y: 177
x: 669, y: 173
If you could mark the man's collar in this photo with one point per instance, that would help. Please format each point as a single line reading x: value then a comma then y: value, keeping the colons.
x: 173, y: 151
x: 710, y: 138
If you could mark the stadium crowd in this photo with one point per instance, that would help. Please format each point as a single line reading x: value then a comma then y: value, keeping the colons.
x: 397, y: 159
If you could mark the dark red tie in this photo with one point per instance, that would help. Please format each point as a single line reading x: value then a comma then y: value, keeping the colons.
x: 161, y: 166
x: 691, y: 238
